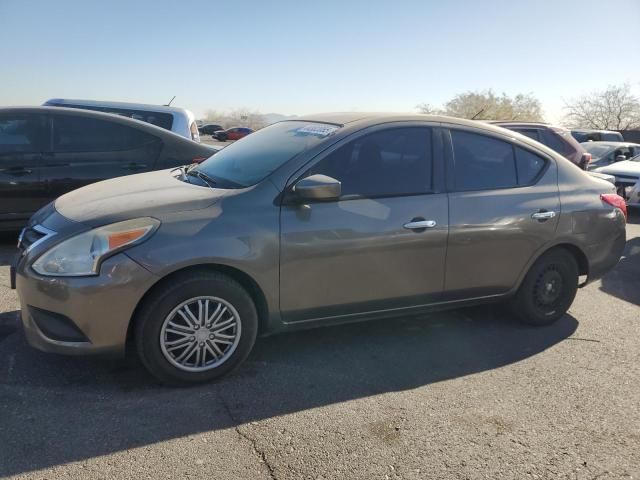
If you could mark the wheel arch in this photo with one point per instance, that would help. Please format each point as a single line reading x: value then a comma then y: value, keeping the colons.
x: 576, y: 251
x: 243, y: 278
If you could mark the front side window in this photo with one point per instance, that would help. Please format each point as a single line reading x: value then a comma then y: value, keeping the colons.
x: 482, y: 162
x: 247, y: 162
x: 23, y: 133
x: 83, y: 134
x: 391, y: 162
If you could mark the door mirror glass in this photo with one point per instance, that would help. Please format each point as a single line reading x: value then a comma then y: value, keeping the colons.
x: 620, y: 158
x: 318, y: 187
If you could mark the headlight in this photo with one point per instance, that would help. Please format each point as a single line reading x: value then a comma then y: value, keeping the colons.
x: 81, y: 255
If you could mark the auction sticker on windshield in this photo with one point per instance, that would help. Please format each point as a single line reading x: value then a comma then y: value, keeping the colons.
x: 318, y: 130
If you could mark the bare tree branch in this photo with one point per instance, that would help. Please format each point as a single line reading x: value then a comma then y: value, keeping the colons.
x: 615, y: 108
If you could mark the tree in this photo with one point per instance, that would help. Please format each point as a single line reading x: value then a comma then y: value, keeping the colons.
x: 240, y: 117
x: 614, y: 108
x: 486, y: 105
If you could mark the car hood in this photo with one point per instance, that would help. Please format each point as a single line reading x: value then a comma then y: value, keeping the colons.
x: 150, y: 194
x: 621, y: 168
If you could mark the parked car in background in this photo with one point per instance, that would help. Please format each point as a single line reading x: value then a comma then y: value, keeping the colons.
x: 176, y: 119
x: 209, y: 128
x: 627, y: 179
x: 235, y: 133
x: 311, y: 222
x: 585, y: 135
x: 48, y: 151
x: 555, y: 137
x: 606, y: 153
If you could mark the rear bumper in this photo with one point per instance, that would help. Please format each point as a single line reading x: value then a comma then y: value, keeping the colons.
x: 605, y: 256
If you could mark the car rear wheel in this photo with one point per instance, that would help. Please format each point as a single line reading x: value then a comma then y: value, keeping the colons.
x: 548, y: 290
x: 195, y: 328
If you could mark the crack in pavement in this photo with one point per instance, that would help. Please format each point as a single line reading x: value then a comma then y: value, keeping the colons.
x: 259, y: 453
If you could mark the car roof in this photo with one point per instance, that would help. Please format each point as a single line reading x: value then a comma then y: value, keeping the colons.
x: 364, y: 119
x: 125, y: 105
x: 589, y: 130
x: 612, y: 144
x: 110, y: 117
x: 520, y: 122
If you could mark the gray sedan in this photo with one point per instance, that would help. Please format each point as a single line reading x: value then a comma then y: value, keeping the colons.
x: 311, y: 222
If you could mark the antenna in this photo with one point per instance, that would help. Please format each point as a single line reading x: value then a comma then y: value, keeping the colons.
x: 476, y: 115
x: 170, y: 101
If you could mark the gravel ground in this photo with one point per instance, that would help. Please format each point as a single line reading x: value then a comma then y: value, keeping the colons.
x: 466, y: 394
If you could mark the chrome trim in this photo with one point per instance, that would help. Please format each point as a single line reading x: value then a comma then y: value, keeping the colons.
x: 45, y: 231
x: 418, y: 225
x: 543, y: 215
x: 20, y: 237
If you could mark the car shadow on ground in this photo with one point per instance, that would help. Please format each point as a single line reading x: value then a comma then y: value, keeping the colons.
x: 58, y: 409
x: 620, y: 282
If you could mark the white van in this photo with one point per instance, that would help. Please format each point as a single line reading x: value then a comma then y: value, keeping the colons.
x: 175, y: 119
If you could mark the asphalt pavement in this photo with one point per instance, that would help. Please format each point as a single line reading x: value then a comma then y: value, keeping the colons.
x: 464, y: 394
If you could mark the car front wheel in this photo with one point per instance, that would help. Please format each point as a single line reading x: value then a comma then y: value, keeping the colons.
x: 195, y: 328
x: 548, y: 290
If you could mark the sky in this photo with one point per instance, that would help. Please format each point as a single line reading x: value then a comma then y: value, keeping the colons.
x: 297, y: 57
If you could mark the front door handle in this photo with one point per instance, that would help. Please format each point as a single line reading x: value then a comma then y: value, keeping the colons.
x: 543, y: 215
x: 419, y: 224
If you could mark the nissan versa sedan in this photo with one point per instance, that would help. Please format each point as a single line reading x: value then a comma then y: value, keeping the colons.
x: 311, y: 222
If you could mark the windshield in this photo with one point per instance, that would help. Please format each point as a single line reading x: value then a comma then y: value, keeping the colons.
x: 597, y: 150
x: 253, y: 158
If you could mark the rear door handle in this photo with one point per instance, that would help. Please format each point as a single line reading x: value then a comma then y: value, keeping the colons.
x: 419, y: 224
x: 543, y: 215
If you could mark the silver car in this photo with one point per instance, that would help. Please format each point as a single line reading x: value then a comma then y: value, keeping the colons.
x: 312, y: 222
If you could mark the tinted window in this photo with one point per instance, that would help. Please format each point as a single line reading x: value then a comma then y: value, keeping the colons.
x: 556, y: 141
x: 249, y: 161
x: 82, y: 134
x: 481, y: 162
x: 612, y: 137
x: 391, y: 162
x: 529, y: 165
x: 529, y: 132
x: 23, y: 133
x: 160, y: 119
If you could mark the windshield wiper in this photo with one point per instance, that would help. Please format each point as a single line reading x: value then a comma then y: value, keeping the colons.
x: 190, y: 172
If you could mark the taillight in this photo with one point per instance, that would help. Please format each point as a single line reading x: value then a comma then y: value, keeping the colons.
x: 615, y: 201
x: 199, y: 159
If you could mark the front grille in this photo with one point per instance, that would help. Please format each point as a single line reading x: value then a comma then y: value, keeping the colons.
x: 31, y: 236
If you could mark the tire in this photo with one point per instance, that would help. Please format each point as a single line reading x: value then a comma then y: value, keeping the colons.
x: 164, y: 332
x: 548, y: 290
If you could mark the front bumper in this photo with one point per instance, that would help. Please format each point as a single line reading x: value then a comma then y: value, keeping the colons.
x: 99, y: 308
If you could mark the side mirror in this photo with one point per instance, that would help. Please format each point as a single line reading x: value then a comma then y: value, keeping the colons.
x: 620, y: 158
x: 317, y: 187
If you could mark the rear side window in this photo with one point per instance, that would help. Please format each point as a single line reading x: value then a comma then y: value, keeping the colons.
x: 528, y: 166
x: 23, y: 133
x: 82, y: 134
x: 532, y: 133
x: 392, y: 162
x: 482, y: 162
x: 559, y: 141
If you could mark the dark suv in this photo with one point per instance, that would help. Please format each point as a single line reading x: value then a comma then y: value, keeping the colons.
x: 48, y: 151
x: 554, y: 137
